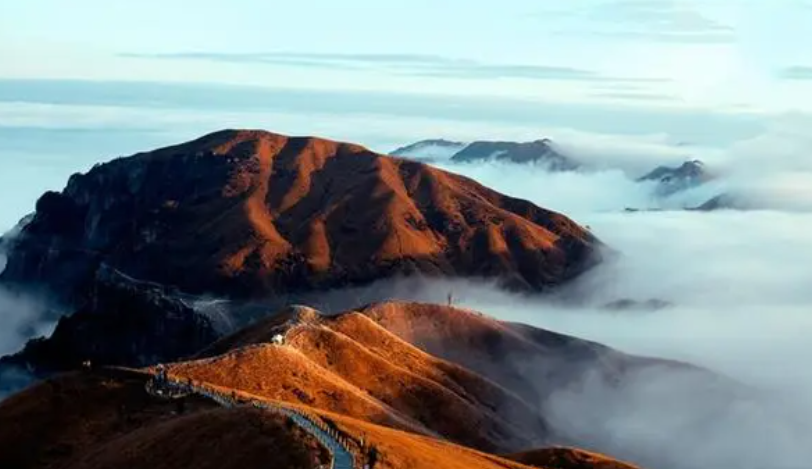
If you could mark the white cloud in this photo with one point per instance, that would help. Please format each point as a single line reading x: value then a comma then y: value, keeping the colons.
x: 21, y: 313
x: 739, y: 283
x: 652, y: 20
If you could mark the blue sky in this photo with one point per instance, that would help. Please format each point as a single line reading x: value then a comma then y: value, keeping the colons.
x: 87, y: 80
x: 736, y: 54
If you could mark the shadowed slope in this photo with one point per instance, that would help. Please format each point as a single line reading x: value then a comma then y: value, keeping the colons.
x: 107, y: 420
x: 529, y: 361
x: 590, y: 395
x: 251, y: 213
x: 111, y: 423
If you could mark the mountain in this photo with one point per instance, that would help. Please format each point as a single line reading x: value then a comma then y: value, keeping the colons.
x: 671, y: 180
x: 540, y: 152
x: 367, y: 373
x: 723, y: 201
x: 135, y: 247
x: 125, y: 322
x: 588, y: 395
x: 352, y: 365
x: 251, y: 214
x: 536, y: 152
x: 442, y: 371
x: 430, y: 151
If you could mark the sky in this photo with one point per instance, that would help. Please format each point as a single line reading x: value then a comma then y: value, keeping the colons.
x: 87, y: 80
x: 730, y: 54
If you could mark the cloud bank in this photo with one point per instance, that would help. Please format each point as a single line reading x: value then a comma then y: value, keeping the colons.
x: 738, y: 282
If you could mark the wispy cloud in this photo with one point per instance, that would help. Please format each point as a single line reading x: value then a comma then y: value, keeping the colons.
x: 651, y: 20
x: 689, y: 123
x: 403, y: 64
x: 797, y: 72
x: 634, y: 96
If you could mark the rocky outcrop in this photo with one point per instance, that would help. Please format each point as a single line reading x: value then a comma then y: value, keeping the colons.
x: 537, y: 152
x: 722, y: 202
x: 124, y: 322
x: 249, y: 214
x: 671, y: 180
x: 7, y: 240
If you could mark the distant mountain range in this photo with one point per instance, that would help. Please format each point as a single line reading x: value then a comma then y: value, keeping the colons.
x: 540, y: 152
x: 667, y: 180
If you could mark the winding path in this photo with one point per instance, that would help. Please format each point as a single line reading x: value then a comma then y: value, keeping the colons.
x: 342, y: 457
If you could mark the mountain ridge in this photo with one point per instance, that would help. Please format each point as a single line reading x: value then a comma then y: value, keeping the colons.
x: 248, y: 213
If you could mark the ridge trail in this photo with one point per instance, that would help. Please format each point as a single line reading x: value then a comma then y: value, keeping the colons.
x: 342, y: 457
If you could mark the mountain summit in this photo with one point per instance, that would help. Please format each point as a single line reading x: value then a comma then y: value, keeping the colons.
x: 249, y: 214
x: 671, y: 180
x: 537, y: 152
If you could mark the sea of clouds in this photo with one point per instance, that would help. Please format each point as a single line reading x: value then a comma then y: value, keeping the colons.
x: 739, y: 285
x: 738, y: 280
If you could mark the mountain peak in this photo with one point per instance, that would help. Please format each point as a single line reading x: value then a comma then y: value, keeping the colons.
x: 249, y: 213
x: 541, y: 151
x: 673, y: 179
x: 537, y: 152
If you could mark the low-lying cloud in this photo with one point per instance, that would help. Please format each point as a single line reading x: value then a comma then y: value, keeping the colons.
x: 769, y: 171
x: 22, y: 320
x: 738, y: 285
x: 21, y: 314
